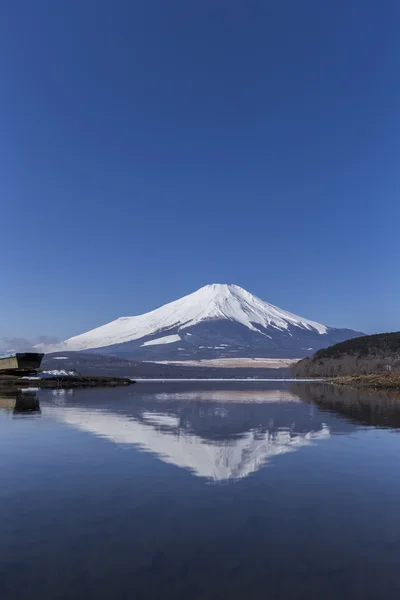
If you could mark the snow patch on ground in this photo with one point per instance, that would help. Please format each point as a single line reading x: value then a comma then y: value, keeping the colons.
x: 58, y: 373
x: 51, y: 374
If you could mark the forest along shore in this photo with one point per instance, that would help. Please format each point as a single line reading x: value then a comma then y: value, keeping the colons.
x: 371, y: 361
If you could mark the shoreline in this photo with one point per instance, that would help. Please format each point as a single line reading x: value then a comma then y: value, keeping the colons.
x: 389, y: 381
x: 222, y: 380
x: 15, y: 382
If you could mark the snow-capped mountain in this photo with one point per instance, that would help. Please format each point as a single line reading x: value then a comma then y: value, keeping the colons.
x: 216, y: 321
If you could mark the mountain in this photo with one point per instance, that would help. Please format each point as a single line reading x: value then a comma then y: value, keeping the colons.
x: 378, y: 353
x: 216, y: 321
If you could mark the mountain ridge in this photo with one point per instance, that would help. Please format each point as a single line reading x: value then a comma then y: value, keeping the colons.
x: 217, y: 320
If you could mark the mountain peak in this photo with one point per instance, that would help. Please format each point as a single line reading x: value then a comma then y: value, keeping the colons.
x: 219, y: 288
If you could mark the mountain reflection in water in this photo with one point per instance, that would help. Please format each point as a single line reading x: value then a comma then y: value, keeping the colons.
x: 225, y: 434
x: 216, y: 434
x: 107, y: 495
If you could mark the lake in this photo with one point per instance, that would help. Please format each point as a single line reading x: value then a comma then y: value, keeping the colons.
x: 200, y: 490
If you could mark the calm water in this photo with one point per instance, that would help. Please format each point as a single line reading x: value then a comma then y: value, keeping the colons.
x: 199, y: 491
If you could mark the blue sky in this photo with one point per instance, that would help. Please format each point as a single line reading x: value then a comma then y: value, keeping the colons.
x: 150, y: 147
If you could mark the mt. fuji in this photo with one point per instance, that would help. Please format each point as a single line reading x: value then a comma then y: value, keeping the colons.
x: 216, y: 321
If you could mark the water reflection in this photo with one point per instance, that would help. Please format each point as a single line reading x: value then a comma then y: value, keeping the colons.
x: 231, y: 395
x: 21, y: 402
x: 366, y: 407
x: 217, y: 440
x: 80, y: 518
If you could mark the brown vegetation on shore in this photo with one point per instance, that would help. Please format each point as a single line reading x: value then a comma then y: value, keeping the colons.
x: 375, y: 381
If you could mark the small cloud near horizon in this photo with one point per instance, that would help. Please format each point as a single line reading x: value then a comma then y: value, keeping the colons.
x: 20, y: 344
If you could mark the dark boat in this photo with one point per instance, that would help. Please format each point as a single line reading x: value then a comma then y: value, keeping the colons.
x: 20, y: 362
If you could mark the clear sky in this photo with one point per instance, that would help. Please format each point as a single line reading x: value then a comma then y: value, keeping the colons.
x: 149, y: 147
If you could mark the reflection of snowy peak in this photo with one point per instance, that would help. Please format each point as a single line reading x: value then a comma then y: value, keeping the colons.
x: 215, y: 321
x: 160, y: 434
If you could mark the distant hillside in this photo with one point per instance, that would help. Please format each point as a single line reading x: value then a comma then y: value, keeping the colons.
x: 91, y: 364
x: 367, y: 354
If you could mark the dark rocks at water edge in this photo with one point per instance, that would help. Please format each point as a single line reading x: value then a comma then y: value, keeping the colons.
x: 63, y: 381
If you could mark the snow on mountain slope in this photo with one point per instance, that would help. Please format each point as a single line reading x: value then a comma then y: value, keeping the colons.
x: 216, y: 301
x: 217, y: 318
x: 167, y: 339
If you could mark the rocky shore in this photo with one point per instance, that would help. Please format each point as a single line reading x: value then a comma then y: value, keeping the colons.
x: 12, y: 382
